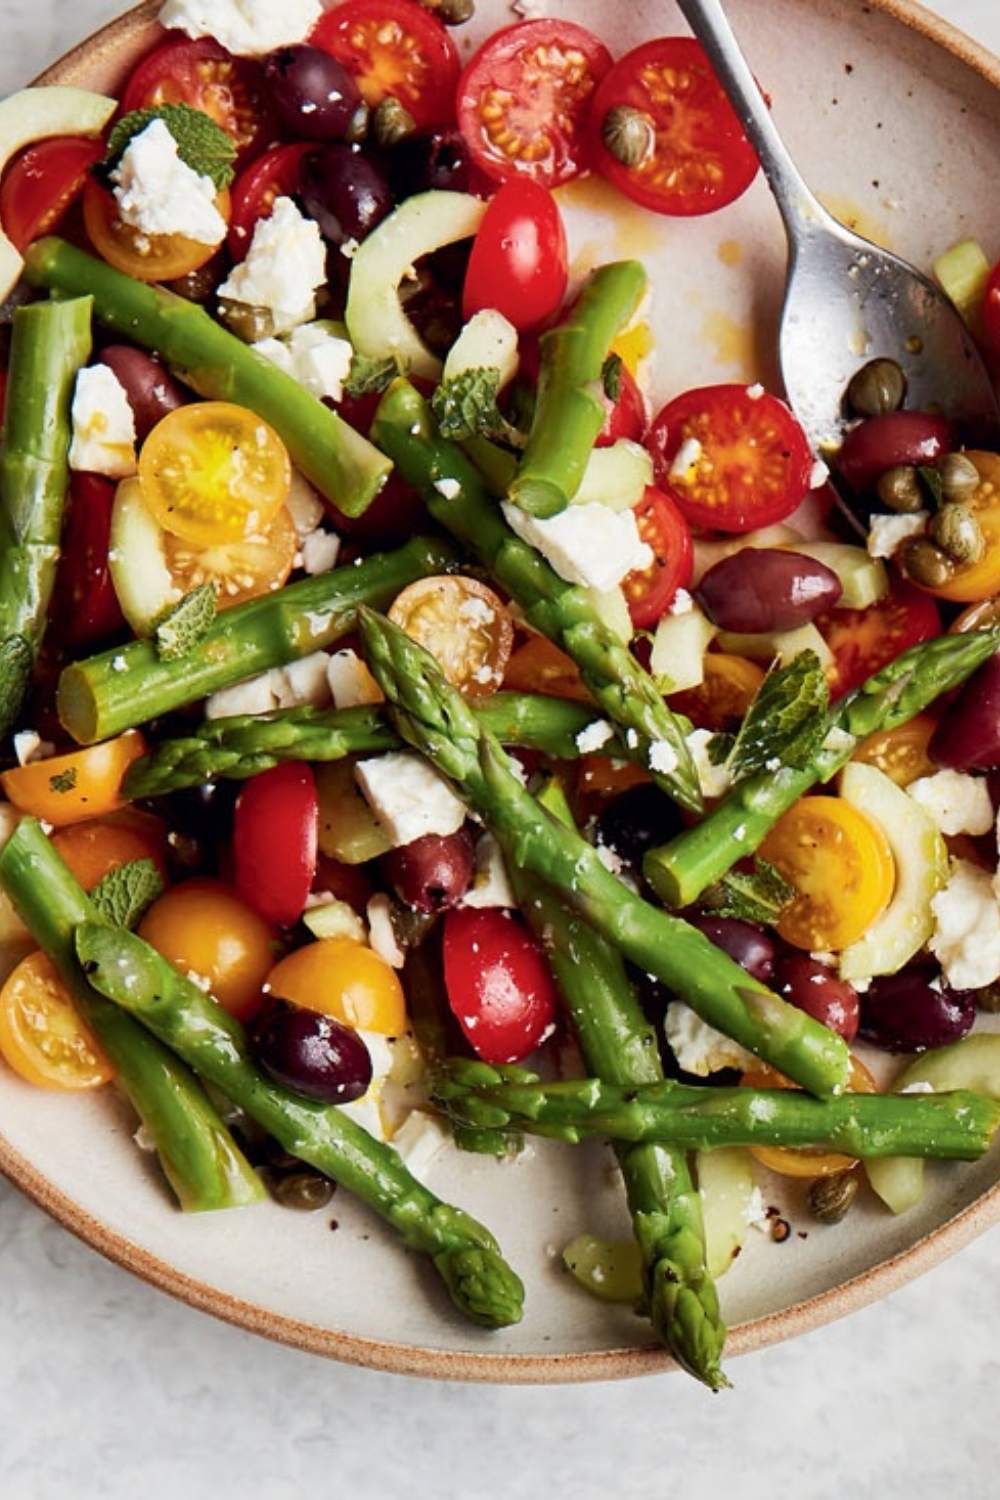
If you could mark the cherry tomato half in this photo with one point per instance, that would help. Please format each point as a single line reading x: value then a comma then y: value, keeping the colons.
x: 864, y: 640
x: 147, y: 257
x: 626, y: 415
x: 341, y: 978
x: 721, y: 700
x: 701, y: 159
x: 651, y: 589
x: 499, y: 985
x: 518, y: 261
x: 540, y: 667
x: 201, y: 73
x: 464, y: 626
x: 42, y: 183
x: 85, y: 600
x: 237, y: 570
x: 394, y: 48
x: 752, y: 465
x: 523, y: 100
x: 275, y: 830
x: 210, y: 933
x: 900, y: 753
x: 41, y: 1036
x: 276, y: 174
x: 93, y: 849
x: 72, y: 788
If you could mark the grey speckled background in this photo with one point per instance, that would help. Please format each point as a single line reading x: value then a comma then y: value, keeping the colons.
x: 109, y: 1390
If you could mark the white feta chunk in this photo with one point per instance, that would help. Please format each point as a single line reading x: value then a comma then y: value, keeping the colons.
x: 103, y: 424
x: 756, y: 391
x: 682, y: 603
x: 698, y: 1047
x: 320, y: 550
x: 685, y: 464
x: 966, y: 937
x: 491, y: 885
x: 530, y: 10
x: 313, y: 356
x: 593, y: 736
x: 381, y: 934
x: 250, y: 28
x: 420, y: 1140
x: 662, y: 757
x: 304, y: 505
x: 818, y: 474
x: 29, y: 746
x: 448, y: 489
x: 350, y: 681
x: 255, y: 696
x: 590, y: 545
x: 887, y: 533
x: 956, y: 802
x: 714, y: 780
x: 158, y: 193
x: 408, y: 796
x: 284, y: 266
x: 368, y: 1111
x: 303, y: 681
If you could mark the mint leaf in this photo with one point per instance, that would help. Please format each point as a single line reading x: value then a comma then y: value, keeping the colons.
x: 184, y: 626
x: 611, y: 376
x: 720, y: 748
x: 466, y: 406
x: 65, y: 781
x: 15, y: 673
x: 758, y: 896
x: 124, y: 894
x: 787, y: 721
x: 368, y: 377
x: 201, y: 144
x: 933, y: 483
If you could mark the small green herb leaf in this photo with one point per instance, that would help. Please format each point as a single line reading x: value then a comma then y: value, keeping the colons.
x: 720, y: 748
x: 611, y: 376
x: 466, y: 406
x: 65, y: 781
x: 369, y: 376
x: 183, y: 626
x: 787, y: 720
x: 124, y: 894
x: 932, y: 482
x: 15, y: 672
x: 201, y: 144
x: 758, y: 896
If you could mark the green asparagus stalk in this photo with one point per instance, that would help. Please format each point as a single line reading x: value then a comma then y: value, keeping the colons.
x: 435, y: 719
x: 956, y: 1126
x: 50, y: 342
x: 680, y: 871
x: 199, y: 1157
x: 133, y: 975
x: 131, y: 684
x: 621, y: 688
x: 569, y: 413
x: 342, y: 464
x: 618, y: 1043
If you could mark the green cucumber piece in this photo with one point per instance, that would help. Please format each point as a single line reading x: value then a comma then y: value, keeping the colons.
x: 609, y: 1272
x: 334, y: 919
x: 962, y: 273
x: 616, y: 476
x: 679, y: 647
x: 487, y: 342
x: 612, y: 606
x: 726, y: 1185
x: 863, y: 579
x: 348, y: 829
x: 784, y: 645
x: 138, y: 565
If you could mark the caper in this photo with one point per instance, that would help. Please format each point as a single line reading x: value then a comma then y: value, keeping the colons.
x: 198, y: 286
x: 411, y: 927
x: 451, y: 12
x: 957, y: 532
x: 830, y: 1198
x: 628, y: 135
x: 305, y: 1191
x: 247, y: 322
x: 878, y: 387
x: 925, y: 563
x: 391, y: 123
x: 959, y: 476
x: 899, y: 489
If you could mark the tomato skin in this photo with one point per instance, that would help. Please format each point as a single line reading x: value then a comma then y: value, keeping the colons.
x: 87, y: 782
x: 41, y: 1036
x: 662, y: 525
x: 276, y: 174
x: 499, y: 985
x: 518, y: 263
x: 394, y: 47
x: 203, y: 74
x: 341, y: 978
x: 702, y: 159
x: 85, y: 600
x: 205, y: 929
x: 865, y: 640
x: 92, y: 850
x: 523, y: 98
x: 465, y: 627
x: 275, y: 830
x: 42, y: 183
x: 626, y: 417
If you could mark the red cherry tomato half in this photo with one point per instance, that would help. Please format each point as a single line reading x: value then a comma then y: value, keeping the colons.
x: 523, y: 100
x: 206, y: 76
x: 394, y: 47
x: 626, y: 417
x: 701, y: 159
x: 518, y: 263
x: 991, y: 311
x: 650, y: 590
x: 42, y: 183
x: 273, y: 175
x: 752, y: 465
x: 498, y: 983
x: 275, y: 831
x: 86, y: 604
x: 864, y: 640
x: 897, y: 437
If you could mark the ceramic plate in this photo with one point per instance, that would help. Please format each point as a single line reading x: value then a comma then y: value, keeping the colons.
x: 895, y: 119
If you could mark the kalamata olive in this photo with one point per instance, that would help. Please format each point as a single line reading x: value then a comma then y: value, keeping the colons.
x: 822, y: 994
x: 313, y: 1054
x: 435, y: 161
x: 886, y: 442
x: 151, y: 390
x: 764, y: 588
x: 747, y: 945
x: 968, y: 736
x: 345, y: 193
x: 636, y: 821
x: 434, y: 872
x: 204, y: 811
x: 315, y: 97
x: 911, y: 1011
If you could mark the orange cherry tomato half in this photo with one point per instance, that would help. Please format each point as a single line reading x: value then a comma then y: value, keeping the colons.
x: 237, y: 570
x: 210, y: 934
x: 540, y: 667
x: 464, y: 626
x: 804, y: 1163
x: 41, y: 1036
x: 72, y: 788
x: 42, y: 183
x: 900, y: 753
x: 394, y: 48
x: 147, y: 257
x: 92, y: 850
x: 650, y: 590
x: 722, y: 699
x: 341, y: 978
x: 865, y: 640
x: 201, y: 73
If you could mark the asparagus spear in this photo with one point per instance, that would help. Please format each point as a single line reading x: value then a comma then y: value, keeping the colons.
x: 680, y: 871
x: 435, y: 719
x: 199, y: 1157
x: 50, y: 341
x: 619, y: 1044
x: 957, y: 1126
x: 343, y: 465
x: 132, y: 974
x: 130, y: 684
x: 569, y: 413
x: 566, y: 614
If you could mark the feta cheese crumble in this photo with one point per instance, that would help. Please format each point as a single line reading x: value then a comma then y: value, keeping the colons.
x: 313, y: 356
x: 682, y: 603
x: 593, y: 736
x: 381, y: 934
x: 103, y: 425
x: 956, y: 802
x: 320, y: 550
x: 818, y: 474
x: 887, y: 533
x: 682, y: 470
x: 714, y: 781
x: 351, y: 683
x: 158, y: 193
x: 449, y: 489
x: 247, y: 27
x: 755, y: 392
x: 408, y: 796
x: 966, y: 937
x: 698, y: 1047
x: 291, y: 686
x: 491, y: 885
x: 590, y: 544
x: 29, y: 746
x: 662, y: 757
x: 285, y: 264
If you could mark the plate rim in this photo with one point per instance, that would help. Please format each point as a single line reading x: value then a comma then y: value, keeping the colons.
x: 389, y: 1356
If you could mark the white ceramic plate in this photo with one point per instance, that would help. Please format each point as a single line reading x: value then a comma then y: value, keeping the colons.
x: 895, y: 119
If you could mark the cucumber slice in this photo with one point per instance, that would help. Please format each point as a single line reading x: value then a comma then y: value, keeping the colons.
x: 616, y: 476
x: 725, y: 1183
x: 487, y: 342
x: 783, y: 644
x: 139, y: 570
x: 921, y: 870
x: 612, y: 606
x: 864, y: 579
x: 335, y: 919
x: 375, y: 319
x: 707, y: 554
x: 348, y: 829
x: 609, y: 1272
x: 679, y: 647
x: 962, y: 273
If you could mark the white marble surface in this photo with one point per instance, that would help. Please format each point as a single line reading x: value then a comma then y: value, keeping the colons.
x: 109, y: 1389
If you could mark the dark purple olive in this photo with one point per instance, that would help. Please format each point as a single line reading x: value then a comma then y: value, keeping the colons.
x: 434, y: 872
x: 763, y: 589
x: 313, y: 1054
x: 822, y: 994
x: 434, y: 161
x: 344, y: 192
x: 892, y: 441
x: 747, y: 945
x: 151, y: 390
x: 636, y: 821
x: 315, y: 97
x: 968, y: 736
x: 204, y: 811
x: 909, y: 1012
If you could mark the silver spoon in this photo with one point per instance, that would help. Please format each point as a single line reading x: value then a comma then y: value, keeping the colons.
x: 846, y: 300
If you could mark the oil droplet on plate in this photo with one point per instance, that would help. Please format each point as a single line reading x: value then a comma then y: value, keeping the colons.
x: 857, y: 218
x: 730, y: 252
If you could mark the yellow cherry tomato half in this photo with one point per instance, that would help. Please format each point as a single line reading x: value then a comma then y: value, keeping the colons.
x: 804, y: 1163
x: 73, y: 788
x: 214, y: 472
x: 216, y: 939
x: 721, y: 700
x: 971, y: 582
x: 841, y: 867
x: 900, y: 753
x: 343, y: 979
x: 237, y: 570
x: 41, y: 1036
x: 464, y: 626
x: 147, y: 257
x: 93, y: 849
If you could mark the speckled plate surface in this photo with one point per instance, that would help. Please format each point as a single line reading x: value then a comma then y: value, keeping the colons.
x: 895, y: 119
